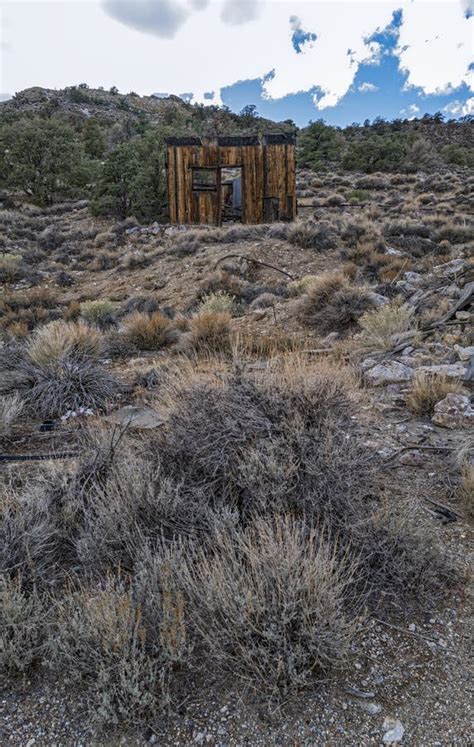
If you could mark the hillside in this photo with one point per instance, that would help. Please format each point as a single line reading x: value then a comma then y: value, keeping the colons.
x: 77, y: 104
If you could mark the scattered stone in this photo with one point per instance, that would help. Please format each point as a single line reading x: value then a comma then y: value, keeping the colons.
x: 394, y: 731
x: 412, y: 458
x: 464, y: 354
x: 449, y: 269
x: 413, y: 277
x: 359, y: 693
x: 135, y: 417
x: 390, y: 372
x: 454, y: 411
x: 377, y: 299
x: 463, y: 316
x: 371, y: 708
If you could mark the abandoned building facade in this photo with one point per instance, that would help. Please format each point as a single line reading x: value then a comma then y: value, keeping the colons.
x: 249, y: 179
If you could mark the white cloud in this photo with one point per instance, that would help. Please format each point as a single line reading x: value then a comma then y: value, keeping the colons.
x: 237, y: 12
x: 460, y: 108
x: 411, y: 111
x: 367, y: 88
x: 435, y: 46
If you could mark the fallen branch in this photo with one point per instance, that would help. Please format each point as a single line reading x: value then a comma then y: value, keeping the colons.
x: 415, y: 447
x: 36, y: 457
x: 256, y: 261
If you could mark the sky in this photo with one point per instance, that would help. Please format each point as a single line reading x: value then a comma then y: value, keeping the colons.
x: 340, y: 60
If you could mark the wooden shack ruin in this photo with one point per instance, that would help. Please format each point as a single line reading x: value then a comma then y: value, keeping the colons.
x: 247, y: 179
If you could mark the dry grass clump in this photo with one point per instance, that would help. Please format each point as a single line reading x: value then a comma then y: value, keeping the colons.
x: 99, y: 312
x: 427, y: 390
x: 10, y: 267
x: 11, y: 407
x: 320, y: 236
x: 373, y: 181
x: 407, y: 228
x: 149, y: 331
x: 59, y: 339
x: 385, y: 327
x: 222, y: 281
x: 332, y: 304
x: 209, y: 332
x: 135, y: 259
x: 455, y: 233
x: 51, y: 387
x: 270, y: 604
x: 220, y: 301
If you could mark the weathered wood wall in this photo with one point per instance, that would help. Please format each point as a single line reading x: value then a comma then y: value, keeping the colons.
x: 268, y: 177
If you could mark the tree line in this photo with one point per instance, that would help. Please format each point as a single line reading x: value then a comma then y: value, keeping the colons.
x: 120, y: 165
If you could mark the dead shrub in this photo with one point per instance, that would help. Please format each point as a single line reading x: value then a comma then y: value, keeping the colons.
x: 221, y: 281
x: 270, y: 605
x: 23, y: 628
x: 455, y: 233
x: 103, y: 261
x: 134, y: 260
x: 209, y: 332
x: 320, y: 236
x: 373, y: 181
x: 387, y: 326
x: 101, y: 641
x: 427, y: 390
x: 332, y: 304
x: 406, y: 228
x: 149, y: 331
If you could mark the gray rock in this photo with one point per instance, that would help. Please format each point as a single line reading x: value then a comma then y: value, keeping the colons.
x: 464, y: 354
x: 454, y: 411
x: 389, y: 372
x: 451, y: 291
x: 377, y: 299
x: 394, y: 731
x: 135, y: 417
x: 451, y: 370
x: 413, y: 277
x: 412, y: 458
x: 463, y: 315
x: 371, y: 708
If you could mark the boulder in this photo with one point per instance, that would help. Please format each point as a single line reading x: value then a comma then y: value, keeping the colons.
x: 389, y: 372
x: 454, y: 411
x: 451, y: 370
x: 413, y: 277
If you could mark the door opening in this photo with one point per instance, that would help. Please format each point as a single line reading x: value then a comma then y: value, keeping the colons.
x: 231, y: 194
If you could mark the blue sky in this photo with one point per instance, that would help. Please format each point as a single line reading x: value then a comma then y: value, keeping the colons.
x: 341, y: 60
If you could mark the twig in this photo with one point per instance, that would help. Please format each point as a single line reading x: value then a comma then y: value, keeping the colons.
x: 414, y: 447
x: 256, y: 261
